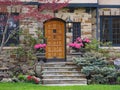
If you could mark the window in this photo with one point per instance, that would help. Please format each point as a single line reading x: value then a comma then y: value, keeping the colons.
x: 110, y: 29
x: 76, y: 30
x: 12, y: 27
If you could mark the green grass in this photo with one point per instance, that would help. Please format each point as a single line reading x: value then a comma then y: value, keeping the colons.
x: 28, y: 86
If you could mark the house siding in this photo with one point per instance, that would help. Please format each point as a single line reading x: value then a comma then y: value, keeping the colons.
x: 110, y: 2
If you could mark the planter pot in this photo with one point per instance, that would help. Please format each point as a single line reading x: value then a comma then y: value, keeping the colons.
x: 41, y: 57
x: 40, y: 54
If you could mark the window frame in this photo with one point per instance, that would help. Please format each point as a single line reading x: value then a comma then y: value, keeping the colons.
x: 110, y: 29
x: 8, y: 44
x: 78, y: 28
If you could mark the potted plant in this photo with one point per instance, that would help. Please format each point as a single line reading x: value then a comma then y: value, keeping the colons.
x: 40, y: 51
x: 79, y: 44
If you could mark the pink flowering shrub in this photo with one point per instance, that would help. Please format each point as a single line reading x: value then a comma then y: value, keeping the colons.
x: 79, y: 43
x: 33, y: 79
x: 40, y: 47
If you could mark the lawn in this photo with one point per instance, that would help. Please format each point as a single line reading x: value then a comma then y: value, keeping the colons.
x: 28, y: 86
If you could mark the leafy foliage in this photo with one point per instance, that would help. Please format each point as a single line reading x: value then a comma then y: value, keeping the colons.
x: 97, y: 69
x: 26, y: 50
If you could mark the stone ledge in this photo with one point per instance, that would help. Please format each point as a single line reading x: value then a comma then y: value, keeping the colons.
x: 9, y: 48
x: 110, y: 48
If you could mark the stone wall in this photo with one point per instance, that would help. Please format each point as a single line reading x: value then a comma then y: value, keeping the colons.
x: 78, y: 15
x: 8, y: 59
x: 14, y: 65
x: 109, y: 11
x: 86, y: 16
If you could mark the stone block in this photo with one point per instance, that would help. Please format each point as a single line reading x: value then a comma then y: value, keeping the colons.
x: 14, y: 9
x: 68, y: 40
x: 87, y: 27
x: 86, y: 33
x: 11, y: 60
x: 1, y: 59
x: 106, y: 12
x: 112, y: 12
x: 106, y: 9
x: 1, y: 63
x: 69, y: 34
x: 117, y: 12
x: 88, y: 36
x: 6, y: 80
x: 93, y: 20
x: 6, y: 60
x: 13, y: 56
x: 88, y: 21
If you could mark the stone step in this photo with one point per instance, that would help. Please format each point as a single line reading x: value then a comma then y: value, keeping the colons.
x: 58, y: 64
x: 73, y: 68
x: 64, y: 84
x: 61, y: 72
x: 65, y: 81
x: 63, y: 76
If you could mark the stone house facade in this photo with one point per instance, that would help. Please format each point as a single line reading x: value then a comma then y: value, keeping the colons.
x: 98, y: 19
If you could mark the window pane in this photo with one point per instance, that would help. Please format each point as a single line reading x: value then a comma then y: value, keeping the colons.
x: 116, y: 30
x: 76, y: 30
x: 110, y: 29
x: 105, y: 30
x: 11, y: 30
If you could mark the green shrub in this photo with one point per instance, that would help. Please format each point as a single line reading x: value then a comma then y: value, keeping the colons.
x: 22, y: 77
x: 96, y: 68
x: 118, y: 80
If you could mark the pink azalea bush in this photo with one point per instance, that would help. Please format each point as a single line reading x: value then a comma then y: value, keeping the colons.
x: 79, y: 43
x: 33, y: 79
x: 40, y: 47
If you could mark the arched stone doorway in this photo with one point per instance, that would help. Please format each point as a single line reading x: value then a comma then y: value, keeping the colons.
x: 54, y: 31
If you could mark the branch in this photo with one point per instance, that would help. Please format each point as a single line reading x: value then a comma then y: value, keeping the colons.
x: 12, y: 33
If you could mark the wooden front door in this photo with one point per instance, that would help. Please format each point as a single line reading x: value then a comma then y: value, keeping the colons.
x: 55, y: 39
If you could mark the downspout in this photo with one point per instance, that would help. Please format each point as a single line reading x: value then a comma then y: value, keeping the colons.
x: 97, y: 20
x: 97, y: 16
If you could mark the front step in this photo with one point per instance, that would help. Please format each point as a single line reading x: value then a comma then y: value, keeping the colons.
x: 59, y: 64
x: 64, y: 81
x: 63, y: 76
x: 62, y: 73
x: 66, y: 68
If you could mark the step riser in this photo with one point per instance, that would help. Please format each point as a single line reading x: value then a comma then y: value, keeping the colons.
x: 61, y: 73
x: 63, y: 77
x: 62, y: 69
x: 58, y: 65
x: 65, y: 82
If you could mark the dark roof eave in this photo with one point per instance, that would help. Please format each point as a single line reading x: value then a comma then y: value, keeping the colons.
x: 82, y: 5
x: 79, y: 5
x: 109, y: 6
x: 69, y: 5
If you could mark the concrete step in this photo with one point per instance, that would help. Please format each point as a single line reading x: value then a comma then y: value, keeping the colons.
x: 61, y: 72
x: 63, y: 76
x: 65, y: 81
x: 66, y: 68
x: 64, y: 84
x: 58, y: 64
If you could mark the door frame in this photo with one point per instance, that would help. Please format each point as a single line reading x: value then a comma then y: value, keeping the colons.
x: 57, y: 19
